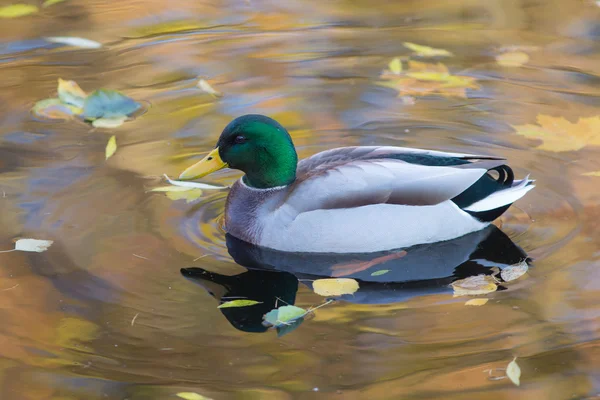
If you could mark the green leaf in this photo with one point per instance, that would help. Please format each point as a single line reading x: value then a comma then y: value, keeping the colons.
x: 395, y: 66
x: 104, y: 103
x: 111, y: 147
x: 69, y: 92
x: 380, y: 272
x: 426, y: 51
x: 284, y: 315
x: 48, y: 3
x: 17, y: 10
x: 239, y: 303
x: 292, y: 326
x: 192, y: 396
x: 513, y: 371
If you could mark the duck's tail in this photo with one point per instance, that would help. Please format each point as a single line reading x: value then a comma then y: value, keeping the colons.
x: 489, y: 198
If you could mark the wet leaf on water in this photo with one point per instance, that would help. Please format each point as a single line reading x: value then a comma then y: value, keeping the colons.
x: 49, y: 3
x: 515, y: 271
x: 111, y: 147
x: 290, y: 327
x: 513, y: 371
x: 189, y: 184
x: 74, y: 41
x: 512, y: 59
x: 69, y: 92
x: 476, y: 302
x: 205, y: 87
x: 109, y: 123
x: 335, y: 286
x: 395, y: 66
x: 558, y: 134
x: 55, y: 109
x: 380, y: 272
x: 593, y: 173
x: 474, y: 285
x: 284, y: 315
x: 33, y: 245
x: 426, y: 51
x: 104, y: 103
x: 239, y: 303
x: 17, y: 10
x: 192, y: 396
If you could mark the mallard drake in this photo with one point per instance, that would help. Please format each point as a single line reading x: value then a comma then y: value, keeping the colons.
x: 353, y: 199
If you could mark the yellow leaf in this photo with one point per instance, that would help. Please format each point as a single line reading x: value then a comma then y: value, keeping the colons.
x: 395, y: 66
x: 192, y: 396
x: 205, y: 87
x: 515, y: 271
x: 593, y: 173
x: 239, y: 303
x: 513, y: 371
x: 512, y: 59
x: 48, y: 3
x: 426, y: 51
x: 69, y: 92
x: 474, y: 285
x: 557, y: 134
x: 180, y: 193
x: 109, y: 122
x: 111, y: 147
x: 17, y: 10
x: 476, y: 302
x: 335, y: 286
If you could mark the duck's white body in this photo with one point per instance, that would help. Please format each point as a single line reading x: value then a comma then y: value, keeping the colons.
x: 366, y: 199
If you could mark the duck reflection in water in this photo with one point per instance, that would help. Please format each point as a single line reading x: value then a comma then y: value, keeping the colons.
x: 273, y: 276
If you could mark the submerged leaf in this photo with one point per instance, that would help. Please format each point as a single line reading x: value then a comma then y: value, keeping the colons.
x: 55, y: 109
x: 205, y: 87
x: 109, y: 122
x: 513, y: 371
x: 111, y: 147
x: 239, y: 303
x: 180, y: 192
x: 48, y: 3
x: 395, y: 66
x: 33, y: 245
x: 474, y: 285
x: 104, y: 103
x: 335, y: 286
x: 476, y: 302
x: 17, y: 10
x: 512, y: 59
x: 557, y: 134
x: 192, y: 396
x: 380, y: 272
x: 189, y: 184
x: 515, y: 271
x: 284, y: 315
x: 69, y: 92
x: 592, y: 173
x: 426, y: 51
x: 74, y: 41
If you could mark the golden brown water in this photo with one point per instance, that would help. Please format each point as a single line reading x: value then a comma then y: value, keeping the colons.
x: 105, y: 312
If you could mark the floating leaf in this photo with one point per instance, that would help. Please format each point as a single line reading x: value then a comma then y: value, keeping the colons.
x: 180, y: 193
x: 512, y: 59
x: 426, y: 51
x: 474, y: 285
x: 55, y: 109
x: 335, y: 286
x: 104, y: 103
x: 109, y: 123
x: 74, y: 41
x: 239, y: 303
x: 192, y: 396
x: 557, y: 134
x: 111, y: 147
x: 380, y: 272
x: 289, y: 327
x: 189, y: 184
x: 515, y: 271
x: 48, y: 3
x: 205, y: 87
x: 69, y: 92
x: 33, y: 245
x: 17, y: 10
x: 284, y: 315
x: 476, y: 302
x: 514, y: 372
x: 395, y: 66
x: 593, y: 173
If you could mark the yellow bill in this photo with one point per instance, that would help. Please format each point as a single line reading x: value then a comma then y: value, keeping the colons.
x: 209, y: 164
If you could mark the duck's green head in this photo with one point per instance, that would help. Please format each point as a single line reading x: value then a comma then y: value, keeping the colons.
x: 256, y: 145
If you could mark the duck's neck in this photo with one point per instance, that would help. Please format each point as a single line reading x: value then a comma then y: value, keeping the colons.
x: 277, y: 167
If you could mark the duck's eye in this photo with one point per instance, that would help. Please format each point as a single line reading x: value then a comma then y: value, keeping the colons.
x: 239, y: 139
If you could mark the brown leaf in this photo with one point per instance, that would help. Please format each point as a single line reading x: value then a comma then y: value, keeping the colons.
x: 557, y: 134
x: 474, y: 285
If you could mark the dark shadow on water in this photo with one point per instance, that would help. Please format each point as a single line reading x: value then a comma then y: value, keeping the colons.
x: 273, y: 276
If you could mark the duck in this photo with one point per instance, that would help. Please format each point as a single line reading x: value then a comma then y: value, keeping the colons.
x: 356, y: 199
